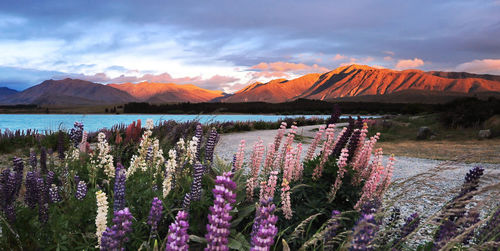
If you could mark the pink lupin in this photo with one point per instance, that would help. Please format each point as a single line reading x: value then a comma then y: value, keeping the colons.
x: 240, y: 155
x: 326, y: 150
x: 342, y: 163
x: 314, y: 144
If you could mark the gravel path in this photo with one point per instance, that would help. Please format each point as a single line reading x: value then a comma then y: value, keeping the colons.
x: 419, y: 185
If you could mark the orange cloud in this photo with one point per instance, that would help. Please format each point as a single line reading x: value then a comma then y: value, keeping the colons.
x: 484, y: 66
x: 409, y: 63
x: 288, y: 67
x: 339, y: 57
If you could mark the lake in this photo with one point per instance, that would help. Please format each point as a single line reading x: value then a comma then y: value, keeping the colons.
x: 94, y: 122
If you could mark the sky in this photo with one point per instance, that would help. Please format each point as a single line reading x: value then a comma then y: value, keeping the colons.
x: 227, y: 44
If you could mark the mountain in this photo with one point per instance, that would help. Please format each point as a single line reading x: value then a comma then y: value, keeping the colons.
x: 360, y: 80
x: 462, y: 75
x: 69, y: 92
x: 279, y: 90
x: 167, y: 92
x: 5, y: 92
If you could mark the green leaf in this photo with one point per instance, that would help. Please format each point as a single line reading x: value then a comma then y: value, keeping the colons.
x: 197, y: 239
x: 238, y: 242
x: 244, y: 212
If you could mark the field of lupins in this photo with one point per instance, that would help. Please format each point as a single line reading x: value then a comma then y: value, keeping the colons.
x: 132, y: 190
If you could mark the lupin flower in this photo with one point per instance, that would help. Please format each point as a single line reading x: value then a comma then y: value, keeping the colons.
x: 264, y: 226
x: 373, y: 182
x: 81, y: 190
x: 240, y: 156
x: 268, y: 189
x: 353, y: 144
x: 198, y: 133
x: 102, y: 213
x: 43, y: 207
x: 170, y: 166
x: 33, y: 159
x: 43, y: 160
x: 32, y: 194
x: 411, y: 223
x: 186, y: 202
x: 257, y: 154
x: 342, y: 140
x: 342, y: 163
x: 360, y: 163
x: 286, y: 205
x: 299, y: 166
x: 104, y: 160
x: 315, y: 143
x: 331, y: 230
x: 178, y: 237
x: 219, y: 217
x: 192, y: 150
x: 60, y: 145
x: 76, y: 133
x: 268, y: 162
x: 115, y: 237
x: 199, y: 170
x: 363, y: 233
x: 455, y: 219
x: 210, y: 146
x: 9, y: 194
x: 326, y: 150
x: 83, y: 144
x: 119, y: 191
x: 287, y: 146
x: 279, y: 136
x: 54, y: 194
x: 19, y: 171
x: 387, y: 175
x: 155, y: 216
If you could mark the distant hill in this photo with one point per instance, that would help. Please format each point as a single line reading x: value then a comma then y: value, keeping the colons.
x: 5, y: 92
x: 360, y: 80
x: 69, y: 92
x: 168, y: 92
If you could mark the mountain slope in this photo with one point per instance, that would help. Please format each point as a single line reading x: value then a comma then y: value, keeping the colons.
x: 278, y: 90
x: 5, y: 92
x: 360, y: 80
x: 69, y: 92
x: 168, y: 92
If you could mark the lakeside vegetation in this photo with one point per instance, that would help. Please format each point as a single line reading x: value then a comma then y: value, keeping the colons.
x: 159, y: 187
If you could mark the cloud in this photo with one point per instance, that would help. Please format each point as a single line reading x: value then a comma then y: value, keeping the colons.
x: 288, y: 67
x: 409, y: 63
x: 339, y: 57
x: 483, y: 66
x: 214, y: 37
x: 216, y: 82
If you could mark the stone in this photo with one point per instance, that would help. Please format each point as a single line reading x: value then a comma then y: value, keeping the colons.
x: 424, y: 132
x: 484, y: 134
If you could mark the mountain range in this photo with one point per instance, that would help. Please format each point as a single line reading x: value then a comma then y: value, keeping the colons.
x: 347, y: 83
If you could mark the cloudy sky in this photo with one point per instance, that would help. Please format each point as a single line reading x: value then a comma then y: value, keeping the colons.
x: 227, y: 44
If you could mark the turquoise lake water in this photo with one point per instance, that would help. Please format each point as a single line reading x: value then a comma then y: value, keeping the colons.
x: 94, y: 122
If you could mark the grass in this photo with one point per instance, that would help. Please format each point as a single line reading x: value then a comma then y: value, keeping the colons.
x: 399, y: 137
x: 475, y: 151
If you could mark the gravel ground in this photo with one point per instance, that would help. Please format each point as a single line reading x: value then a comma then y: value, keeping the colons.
x: 419, y: 185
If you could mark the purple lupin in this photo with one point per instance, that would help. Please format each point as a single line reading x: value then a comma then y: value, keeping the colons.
x: 155, y: 216
x: 178, y: 237
x: 115, y: 237
x: 219, y: 218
